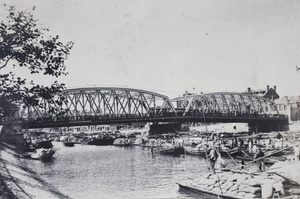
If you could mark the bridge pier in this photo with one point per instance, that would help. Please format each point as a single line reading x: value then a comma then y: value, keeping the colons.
x: 166, y: 127
x: 268, y: 125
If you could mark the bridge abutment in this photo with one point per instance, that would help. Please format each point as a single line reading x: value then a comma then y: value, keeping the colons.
x: 268, y: 126
x: 160, y: 128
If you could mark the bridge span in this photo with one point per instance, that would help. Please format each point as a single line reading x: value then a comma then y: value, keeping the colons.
x: 112, y: 105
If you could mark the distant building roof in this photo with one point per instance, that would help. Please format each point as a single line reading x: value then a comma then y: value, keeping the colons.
x: 268, y: 93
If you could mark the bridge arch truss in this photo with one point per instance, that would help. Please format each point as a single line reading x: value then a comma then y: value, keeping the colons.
x: 103, y: 103
x: 225, y: 103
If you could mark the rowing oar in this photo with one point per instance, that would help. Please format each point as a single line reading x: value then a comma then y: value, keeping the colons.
x: 231, y: 157
x: 268, y: 155
x: 245, y: 153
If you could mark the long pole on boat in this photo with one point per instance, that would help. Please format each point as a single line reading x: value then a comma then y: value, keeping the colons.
x: 245, y: 153
x: 210, y: 163
x: 269, y: 154
x: 231, y: 157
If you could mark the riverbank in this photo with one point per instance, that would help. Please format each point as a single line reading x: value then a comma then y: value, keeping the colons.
x: 18, y: 181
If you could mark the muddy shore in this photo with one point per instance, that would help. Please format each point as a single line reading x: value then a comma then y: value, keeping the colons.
x: 18, y: 181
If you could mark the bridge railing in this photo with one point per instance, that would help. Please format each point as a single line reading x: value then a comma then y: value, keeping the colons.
x: 124, y: 117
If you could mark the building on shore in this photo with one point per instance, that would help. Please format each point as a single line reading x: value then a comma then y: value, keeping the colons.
x: 289, y: 105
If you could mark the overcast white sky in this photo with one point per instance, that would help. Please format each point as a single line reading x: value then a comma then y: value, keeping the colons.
x: 169, y: 46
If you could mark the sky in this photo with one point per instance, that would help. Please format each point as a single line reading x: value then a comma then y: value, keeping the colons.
x: 170, y: 46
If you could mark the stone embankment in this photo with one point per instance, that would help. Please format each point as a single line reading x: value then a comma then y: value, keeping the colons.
x: 19, y: 182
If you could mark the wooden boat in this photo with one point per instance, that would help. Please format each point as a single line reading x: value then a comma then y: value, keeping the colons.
x: 151, y: 142
x: 169, y: 149
x: 46, y: 144
x: 267, y: 160
x: 121, y: 141
x: 204, y: 193
x: 210, y: 194
x: 200, y: 151
x: 69, y: 141
x: 69, y: 144
x: 40, y: 154
x: 195, y: 151
x: 238, y: 184
x: 101, y: 141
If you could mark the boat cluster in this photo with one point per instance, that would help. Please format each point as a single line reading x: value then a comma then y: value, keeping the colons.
x: 247, y: 151
x: 257, y: 172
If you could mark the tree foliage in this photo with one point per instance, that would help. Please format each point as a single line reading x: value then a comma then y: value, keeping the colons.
x: 24, y: 44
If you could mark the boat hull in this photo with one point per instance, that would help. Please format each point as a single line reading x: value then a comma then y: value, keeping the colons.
x: 205, y: 193
x: 69, y: 144
x: 201, y: 152
x: 102, y: 141
x: 169, y: 150
x: 121, y: 142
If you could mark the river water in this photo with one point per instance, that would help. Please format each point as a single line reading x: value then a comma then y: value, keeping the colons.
x: 93, y: 172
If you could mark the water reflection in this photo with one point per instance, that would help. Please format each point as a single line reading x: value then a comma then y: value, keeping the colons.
x: 87, y: 172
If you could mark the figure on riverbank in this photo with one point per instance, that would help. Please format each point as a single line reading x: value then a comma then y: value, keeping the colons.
x: 261, y: 161
x: 250, y: 144
x: 213, y: 156
x: 268, y: 143
x: 296, y: 153
x: 220, y: 162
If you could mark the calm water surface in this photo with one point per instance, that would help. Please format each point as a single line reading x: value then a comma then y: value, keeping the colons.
x: 90, y: 172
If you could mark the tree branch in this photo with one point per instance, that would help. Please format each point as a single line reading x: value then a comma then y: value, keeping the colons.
x: 6, y: 62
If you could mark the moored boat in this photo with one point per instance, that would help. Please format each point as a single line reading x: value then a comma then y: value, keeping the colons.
x: 40, y: 154
x: 233, y: 184
x: 69, y: 141
x: 102, y: 141
x: 69, y: 144
x: 121, y: 141
x: 200, y: 150
x: 172, y: 150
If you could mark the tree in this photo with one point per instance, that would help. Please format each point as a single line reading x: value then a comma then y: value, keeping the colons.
x: 24, y: 44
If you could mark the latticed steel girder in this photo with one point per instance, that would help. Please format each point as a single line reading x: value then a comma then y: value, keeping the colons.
x: 104, y: 102
x: 227, y: 103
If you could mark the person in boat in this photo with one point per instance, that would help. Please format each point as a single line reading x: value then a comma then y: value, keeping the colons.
x: 241, y: 165
x: 297, y: 152
x: 254, y: 148
x: 261, y: 161
x: 268, y: 143
x: 220, y: 162
x: 213, y: 156
x: 239, y: 144
x: 279, y: 136
x: 250, y: 144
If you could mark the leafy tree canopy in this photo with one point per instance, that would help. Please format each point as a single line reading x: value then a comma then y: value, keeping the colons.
x: 24, y: 44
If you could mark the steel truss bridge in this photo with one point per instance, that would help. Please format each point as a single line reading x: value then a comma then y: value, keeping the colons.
x: 105, y: 105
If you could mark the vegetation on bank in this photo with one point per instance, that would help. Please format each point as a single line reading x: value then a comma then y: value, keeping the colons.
x: 24, y: 43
